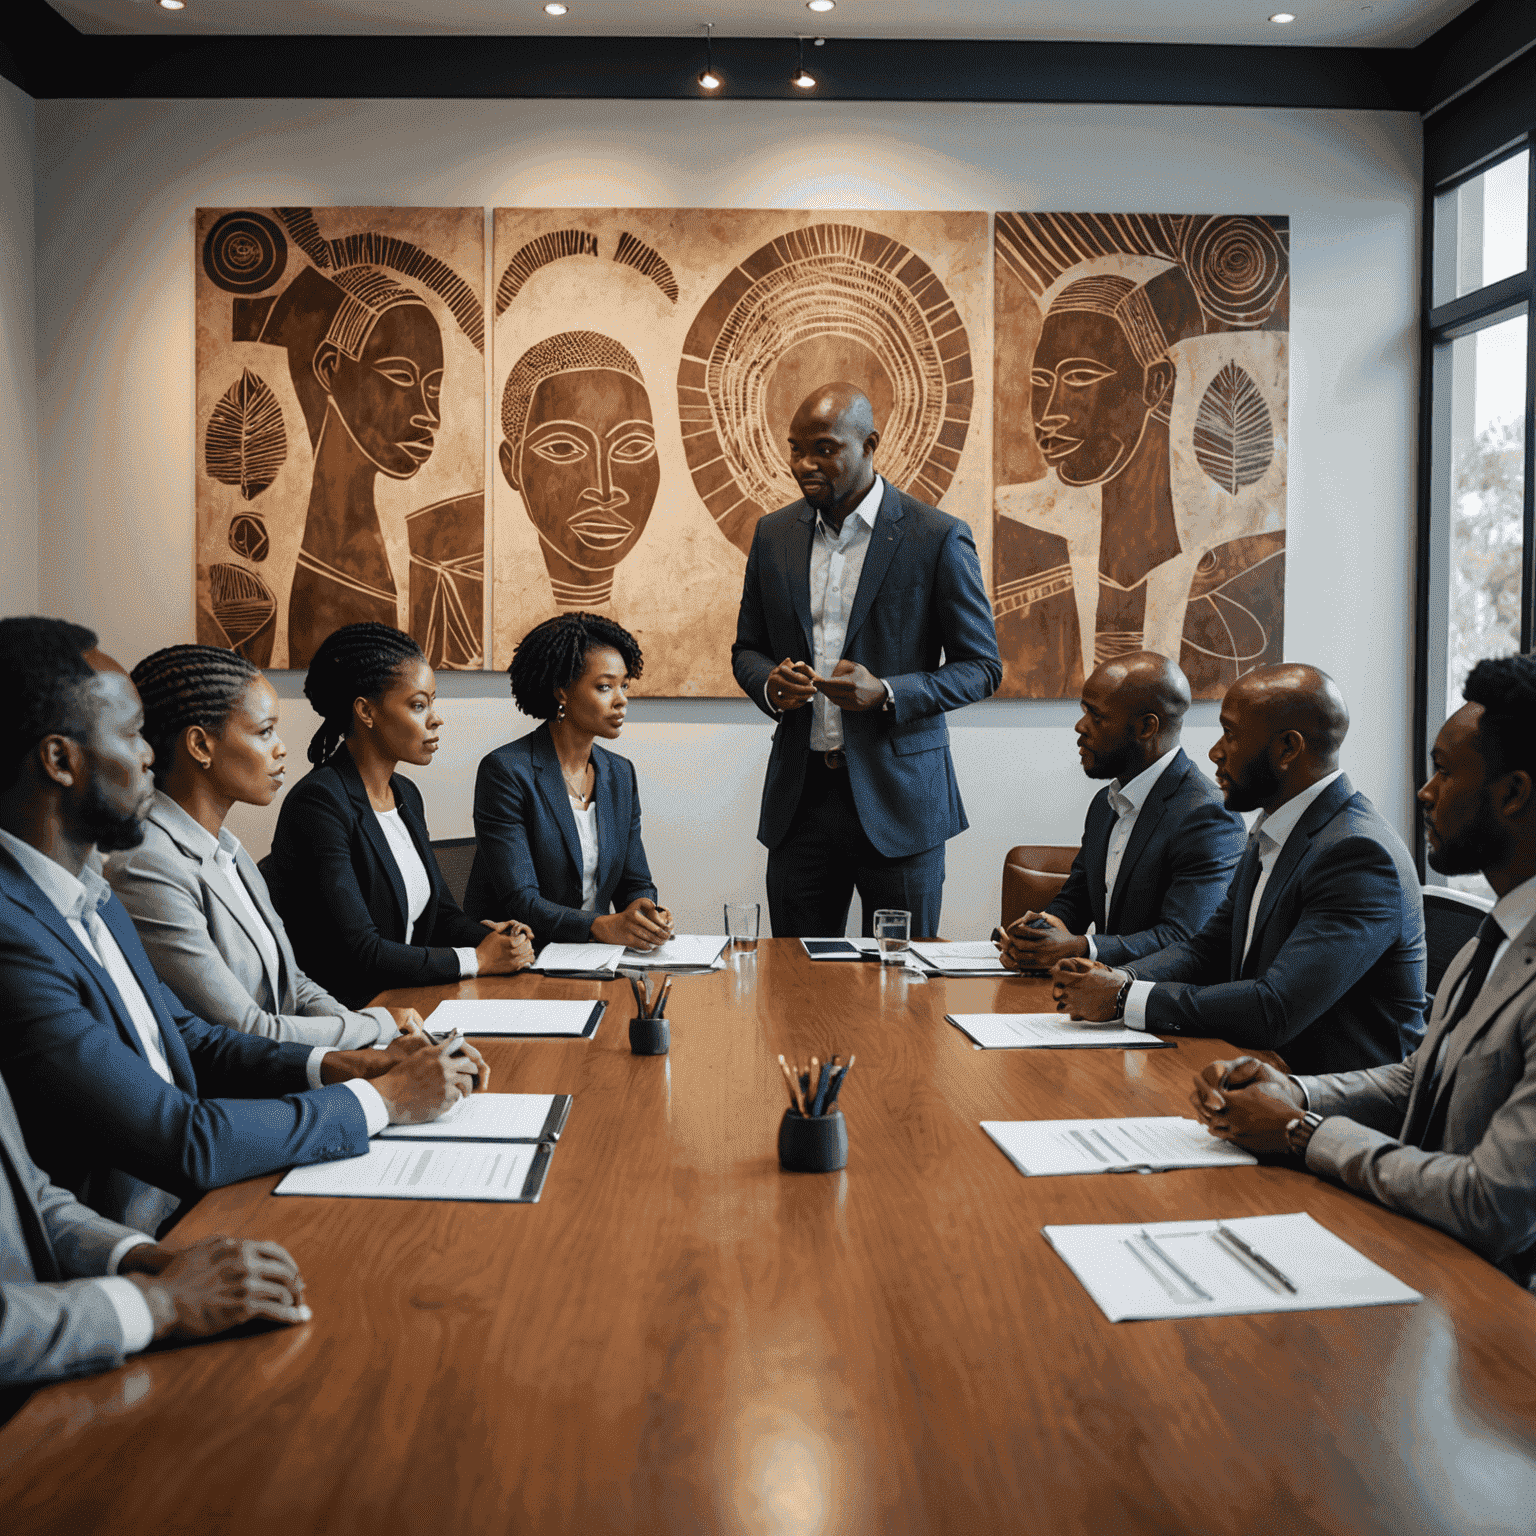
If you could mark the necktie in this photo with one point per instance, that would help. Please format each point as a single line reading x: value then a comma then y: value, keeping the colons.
x: 1489, y: 937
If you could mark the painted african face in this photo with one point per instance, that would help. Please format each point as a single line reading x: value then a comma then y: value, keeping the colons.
x: 389, y: 397
x: 588, y: 471
x: 1088, y: 394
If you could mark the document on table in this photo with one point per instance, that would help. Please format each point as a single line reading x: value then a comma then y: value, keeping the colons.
x: 1222, y: 1268
x: 978, y: 958
x: 1048, y: 1031
x: 841, y: 949
x: 682, y: 952
x: 417, y: 1170
x: 492, y: 1117
x: 518, y: 1016
x: 1039, y: 1147
x: 579, y: 959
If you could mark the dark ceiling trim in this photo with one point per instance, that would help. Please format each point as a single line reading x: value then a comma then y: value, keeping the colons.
x: 62, y: 62
x: 1471, y: 47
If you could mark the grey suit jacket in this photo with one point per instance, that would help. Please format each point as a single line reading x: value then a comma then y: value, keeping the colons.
x: 53, y: 1322
x: 198, y: 936
x: 1463, y: 1158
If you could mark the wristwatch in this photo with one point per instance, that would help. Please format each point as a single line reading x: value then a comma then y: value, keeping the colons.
x: 1298, y: 1132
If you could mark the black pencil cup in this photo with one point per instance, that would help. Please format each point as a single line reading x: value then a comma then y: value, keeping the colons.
x: 815, y: 1145
x: 649, y: 1036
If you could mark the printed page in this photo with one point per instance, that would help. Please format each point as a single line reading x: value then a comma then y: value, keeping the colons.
x: 414, y: 1170
x: 1219, y: 1269
x: 483, y: 1117
x: 512, y: 1015
x: 1014, y: 1031
x: 578, y: 957
x: 1042, y: 1147
x: 681, y: 951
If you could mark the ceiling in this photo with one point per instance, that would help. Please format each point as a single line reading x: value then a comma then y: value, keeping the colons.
x: 1348, y: 23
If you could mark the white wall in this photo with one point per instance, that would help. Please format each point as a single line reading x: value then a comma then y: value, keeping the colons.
x: 117, y: 183
x: 18, y: 360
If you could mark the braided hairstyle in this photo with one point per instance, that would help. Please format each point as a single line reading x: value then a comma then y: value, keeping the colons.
x: 187, y: 685
x: 1506, y: 734
x: 554, y: 655
x: 355, y: 661
x: 43, y: 663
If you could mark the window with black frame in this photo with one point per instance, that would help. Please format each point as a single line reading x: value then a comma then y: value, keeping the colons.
x: 1479, y: 358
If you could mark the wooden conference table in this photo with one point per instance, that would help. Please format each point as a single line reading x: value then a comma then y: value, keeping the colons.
x: 682, y: 1338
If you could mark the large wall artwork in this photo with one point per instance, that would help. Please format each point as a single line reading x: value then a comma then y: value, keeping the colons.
x: 644, y: 366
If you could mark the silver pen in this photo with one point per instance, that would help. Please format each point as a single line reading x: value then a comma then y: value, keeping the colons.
x: 1255, y: 1256
x: 1157, y: 1248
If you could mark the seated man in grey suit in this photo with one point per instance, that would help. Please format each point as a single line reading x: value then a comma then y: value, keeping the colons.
x: 1158, y: 845
x: 1317, y: 949
x: 78, y: 1292
x: 1449, y: 1135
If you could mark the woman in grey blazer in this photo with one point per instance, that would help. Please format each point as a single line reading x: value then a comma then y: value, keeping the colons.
x: 196, y: 897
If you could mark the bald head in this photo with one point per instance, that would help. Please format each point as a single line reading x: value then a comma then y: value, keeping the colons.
x: 1282, y: 728
x: 832, y: 442
x: 1133, y: 711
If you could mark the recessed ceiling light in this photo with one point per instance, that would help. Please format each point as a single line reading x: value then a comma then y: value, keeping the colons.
x: 554, y: 8
x: 173, y: 5
x: 1282, y: 18
x: 820, y: 5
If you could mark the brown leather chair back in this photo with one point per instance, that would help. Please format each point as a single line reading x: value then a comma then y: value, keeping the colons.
x: 1032, y: 874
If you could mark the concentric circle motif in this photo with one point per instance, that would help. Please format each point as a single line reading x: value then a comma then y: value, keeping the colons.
x: 847, y: 292
x: 244, y: 253
x: 1238, y: 267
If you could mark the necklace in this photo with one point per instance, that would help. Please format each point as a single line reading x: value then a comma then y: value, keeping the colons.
x: 576, y: 789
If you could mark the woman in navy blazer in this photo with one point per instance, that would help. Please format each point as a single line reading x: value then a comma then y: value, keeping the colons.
x: 351, y: 871
x: 557, y: 819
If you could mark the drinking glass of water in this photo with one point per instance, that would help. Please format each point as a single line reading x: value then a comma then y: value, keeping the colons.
x: 893, y: 932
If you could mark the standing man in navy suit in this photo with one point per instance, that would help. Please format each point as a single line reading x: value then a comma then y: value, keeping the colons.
x: 874, y: 602
x: 1317, y: 949
x: 1158, y: 846
x: 125, y: 1098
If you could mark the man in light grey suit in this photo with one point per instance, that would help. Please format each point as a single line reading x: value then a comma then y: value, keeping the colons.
x: 79, y: 1293
x: 1449, y: 1135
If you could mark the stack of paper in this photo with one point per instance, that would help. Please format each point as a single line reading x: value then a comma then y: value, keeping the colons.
x: 1221, y: 1268
x: 979, y: 958
x: 682, y: 952
x: 1048, y: 1031
x: 492, y: 1117
x: 419, y: 1170
x: 518, y: 1016
x: 1112, y: 1146
x: 600, y: 960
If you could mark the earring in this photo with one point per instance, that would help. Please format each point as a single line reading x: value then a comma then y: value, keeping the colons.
x: 560, y: 713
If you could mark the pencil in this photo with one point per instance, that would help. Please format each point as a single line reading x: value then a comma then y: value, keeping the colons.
x: 794, y: 1094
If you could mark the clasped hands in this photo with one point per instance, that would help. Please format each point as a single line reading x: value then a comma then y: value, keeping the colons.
x: 641, y: 925
x: 851, y: 687
x: 1026, y: 948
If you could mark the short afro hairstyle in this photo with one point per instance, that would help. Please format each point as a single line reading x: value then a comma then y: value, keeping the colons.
x: 187, y: 685
x: 357, y: 661
x: 1505, y: 686
x: 45, y: 661
x: 555, y: 654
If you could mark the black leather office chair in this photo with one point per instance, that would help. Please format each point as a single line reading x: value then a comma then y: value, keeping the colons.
x: 1451, y: 918
x: 455, y: 857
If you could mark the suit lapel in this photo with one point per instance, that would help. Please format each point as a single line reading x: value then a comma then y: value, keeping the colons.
x: 1317, y: 816
x: 1243, y: 882
x: 416, y: 826
x: 372, y: 831
x: 884, y: 540
x: 1097, y: 833
x: 1153, y: 808
x: 552, y: 790
x: 256, y: 887
x: 611, y: 841
x: 797, y: 572
x: 115, y: 916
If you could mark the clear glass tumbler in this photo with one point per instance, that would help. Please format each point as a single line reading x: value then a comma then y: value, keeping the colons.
x: 893, y: 932
x: 741, y: 923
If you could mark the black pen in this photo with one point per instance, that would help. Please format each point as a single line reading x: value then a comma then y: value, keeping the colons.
x: 837, y: 1086
x: 818, y: 1104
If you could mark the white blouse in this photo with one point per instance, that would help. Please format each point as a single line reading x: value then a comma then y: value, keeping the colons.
x: 586, y: 831
x: 418, y: 884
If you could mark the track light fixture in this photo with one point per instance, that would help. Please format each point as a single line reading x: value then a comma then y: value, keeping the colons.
x: 803, y: 79
x: 708, y: 79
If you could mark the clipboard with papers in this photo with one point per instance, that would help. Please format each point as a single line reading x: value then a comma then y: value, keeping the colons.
x: 531, y: 1117
x: 586, y: 962
x: 1050, y: 1032
x: 497, y: 1171
x: 535, y: 1018
x: 1147, y: 1144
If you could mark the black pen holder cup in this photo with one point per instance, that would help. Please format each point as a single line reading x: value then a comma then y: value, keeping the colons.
x: 649, y: 1036
x: 815, y: 1145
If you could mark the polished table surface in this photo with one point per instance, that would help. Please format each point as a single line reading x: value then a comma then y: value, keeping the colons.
x: 679, y: 1337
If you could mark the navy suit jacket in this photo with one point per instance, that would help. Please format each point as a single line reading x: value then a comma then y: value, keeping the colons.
x: 527, y: 855
x: 98, y: 1118
x: 920, y: 596
x: 1173, y: 874
x: 1334, y: 978
x: 338, y: 890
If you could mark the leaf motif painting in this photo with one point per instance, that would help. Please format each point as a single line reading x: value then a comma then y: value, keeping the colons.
x: 245, y: 443
x: 1234, y: 439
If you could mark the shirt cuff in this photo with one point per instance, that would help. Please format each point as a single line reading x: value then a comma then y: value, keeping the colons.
x: 769, y: 702
x: 1093, y: 949
x: 133, y: 1314
x: 1136, y: 1005
x: 1306, y: 1098
x: 312, y: 1066
x: 133, y: 1240
x: 388, y: 1029
x: 469, y: 963
x: 890, y: 695
x: 375, y: 1110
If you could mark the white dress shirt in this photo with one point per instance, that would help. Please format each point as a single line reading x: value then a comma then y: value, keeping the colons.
x: 1126, y: 802
x: 1272, y: 830
x: 417, y: 882
x: 586, y: 834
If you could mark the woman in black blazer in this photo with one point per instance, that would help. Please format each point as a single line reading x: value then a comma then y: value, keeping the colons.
x: 557, y: 819
x: 351, y: 870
